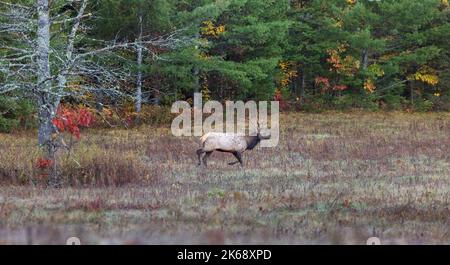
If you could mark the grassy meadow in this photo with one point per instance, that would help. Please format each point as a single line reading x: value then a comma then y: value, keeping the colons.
x: 334, y: 178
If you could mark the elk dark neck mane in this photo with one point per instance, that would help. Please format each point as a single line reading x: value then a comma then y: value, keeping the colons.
x: 252, y: 141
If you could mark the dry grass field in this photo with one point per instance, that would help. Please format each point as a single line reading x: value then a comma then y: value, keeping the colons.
x: 335, y: 178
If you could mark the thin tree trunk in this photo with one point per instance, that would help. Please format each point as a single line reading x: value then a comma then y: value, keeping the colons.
x: 62, y: 77
x: 303, y: 86
x: 196, y: 72
x: 139, y: 74
x: 294, y: 87
x: 365, y: 59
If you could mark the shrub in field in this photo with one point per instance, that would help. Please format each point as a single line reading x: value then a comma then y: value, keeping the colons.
x: 70, y: 120
x: 73, y: 119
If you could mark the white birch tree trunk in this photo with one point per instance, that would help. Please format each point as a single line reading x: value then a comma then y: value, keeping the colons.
x: 139, y: 65
x: 43, y: 85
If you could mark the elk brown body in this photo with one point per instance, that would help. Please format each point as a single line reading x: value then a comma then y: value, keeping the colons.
x: 235, y: 144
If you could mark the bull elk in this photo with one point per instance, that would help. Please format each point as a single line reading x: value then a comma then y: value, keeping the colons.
x: 233, y: 143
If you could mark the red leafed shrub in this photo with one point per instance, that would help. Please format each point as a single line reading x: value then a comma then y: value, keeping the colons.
x: 43, y: 163
x: 72, y: 119
x: 325, y: 85
x: 323, y: 81
x: 340, y: 87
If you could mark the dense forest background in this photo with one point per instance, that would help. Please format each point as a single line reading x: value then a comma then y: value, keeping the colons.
x: 311, y: 55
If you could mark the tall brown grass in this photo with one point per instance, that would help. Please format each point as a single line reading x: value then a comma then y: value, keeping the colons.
x: 334, y: 178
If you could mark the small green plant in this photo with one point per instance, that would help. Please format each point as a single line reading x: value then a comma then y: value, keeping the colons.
x: 216, y: 192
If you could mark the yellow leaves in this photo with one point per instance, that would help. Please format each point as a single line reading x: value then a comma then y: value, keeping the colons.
x: 369, y: 86
x: 342, y: 47
x: 206, y: 93
x: 339, y: 24
x: 351, y: 2
x: 437, y: 94
x: 289, y: 73
x: 335, y: 58
x: 445, y: 3
x: 203, y: 56
x: 427, y: 78
x: 220, y: 29
x: 376, y: 70
x: 209, y: 29
x: 298, y: 4
x: 352, y: 64
x: 283, y: 65
x: 425, y: 74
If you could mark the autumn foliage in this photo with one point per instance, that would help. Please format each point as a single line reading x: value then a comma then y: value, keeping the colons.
x: 325, y: 85
x: 284, y: 105
x: 44, y: 163
x: 72, y: 119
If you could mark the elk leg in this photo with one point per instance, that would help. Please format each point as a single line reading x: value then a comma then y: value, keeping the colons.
x: 205, y: 157
x: 238, y: 157
x: 199, y: 155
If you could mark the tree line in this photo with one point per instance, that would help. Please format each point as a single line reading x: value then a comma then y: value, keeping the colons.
x: 310, y: 54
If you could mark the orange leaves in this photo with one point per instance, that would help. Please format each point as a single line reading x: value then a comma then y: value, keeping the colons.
x: 347, y: 65
x: 369, y: 86
x: 339, y: 87
x: 325, y: 84
x: 335, y: 59
x: 374, y: 71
